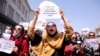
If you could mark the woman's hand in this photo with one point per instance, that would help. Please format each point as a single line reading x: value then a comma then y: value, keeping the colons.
x: 36, y: 12
x: 65, y: 20
x: 15, y: 49
x: 61, y: 12
x: 78, y: 47
x: 84, y: 44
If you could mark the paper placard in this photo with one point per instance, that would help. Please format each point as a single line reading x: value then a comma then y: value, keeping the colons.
x: 98, y: 39
x: 92, y: 43
x: 6, y: 45
x: 49, y: 10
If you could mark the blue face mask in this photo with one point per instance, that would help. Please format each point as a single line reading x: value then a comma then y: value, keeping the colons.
x: 8, y: 31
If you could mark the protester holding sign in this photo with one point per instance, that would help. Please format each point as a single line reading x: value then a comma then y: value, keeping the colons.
x: 91, y: 45
x: 52, y: 42
x: 73, y: 48
x: 21, y: 44
x: 7, y: 32
x: 5, y: 44
x: 16, y: 45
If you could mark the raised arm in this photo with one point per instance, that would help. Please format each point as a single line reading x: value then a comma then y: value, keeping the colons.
x: 65, y: 20
x: 67, y: 26
x: 32, y: 24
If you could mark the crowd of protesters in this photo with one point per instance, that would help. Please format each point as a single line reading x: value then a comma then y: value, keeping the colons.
x: 49, y: 42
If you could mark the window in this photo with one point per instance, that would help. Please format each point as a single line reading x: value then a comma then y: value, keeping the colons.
x: 14, y: 1
x: 19, y: 4
x: 26, y: 13
x: 10, y: 12
x: 21, y: 19
x: 2, y: 6
x: 23, y: 9
x: 17, y: 18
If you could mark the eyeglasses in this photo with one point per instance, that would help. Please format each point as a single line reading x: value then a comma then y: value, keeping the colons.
x: 17, y: 29
x: 51, y: 26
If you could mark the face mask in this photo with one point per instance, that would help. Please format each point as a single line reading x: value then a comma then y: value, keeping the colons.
x: 16, y: 36
x: 6, y: 36
x: 8, y: 31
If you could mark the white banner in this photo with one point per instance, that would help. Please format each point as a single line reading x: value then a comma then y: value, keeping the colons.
x: 49, y: 10
x: 6, y: 45
x: 98, y: 39
x: 92, y: 43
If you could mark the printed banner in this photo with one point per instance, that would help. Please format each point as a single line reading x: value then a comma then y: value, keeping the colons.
x: 6, y: 45
x: 49, y: 10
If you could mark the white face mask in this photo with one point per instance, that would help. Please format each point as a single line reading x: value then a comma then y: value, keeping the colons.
x: 8, y: 31
x: 16, y: 36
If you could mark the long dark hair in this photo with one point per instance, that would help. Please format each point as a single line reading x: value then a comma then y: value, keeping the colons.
x: 22, y: 36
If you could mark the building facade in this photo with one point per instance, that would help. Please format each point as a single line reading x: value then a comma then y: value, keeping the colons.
x: 14, y: 11
x: 97, y: 31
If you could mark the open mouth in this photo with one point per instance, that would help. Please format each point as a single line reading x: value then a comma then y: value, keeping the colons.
x: 51, y: 30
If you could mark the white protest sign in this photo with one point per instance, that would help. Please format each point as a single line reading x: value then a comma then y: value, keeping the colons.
x: 49, y: 10
x: 6, y: 46
x: 92, y: 43
x: 98, y: 39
